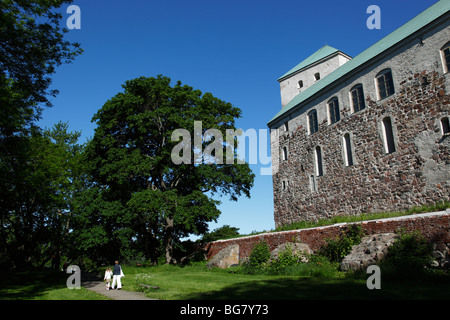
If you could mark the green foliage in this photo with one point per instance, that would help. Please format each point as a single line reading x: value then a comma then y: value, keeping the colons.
x: 32, y: 27
x: 42, y: 181
x: 259, y: 255
x: 286, y: 258
x: 38, y: 168
x: 287, y: 263
x: 141, y: 189
x: 336, y: 249
x: 224, y: 232
x: 408, y: 256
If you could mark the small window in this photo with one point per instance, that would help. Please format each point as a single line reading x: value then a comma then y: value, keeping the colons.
x: 388, y: 136
x: 333, y: 111
x: 312, y: 122
x: 357, y: 94
x: 300, y: 84
x: 285, y: 185
x: 445, y: 126
x: 317, y: 76
x: 348, y: 156
x: 318, y: 161
x: 312, y: 183
x: 385, y: 84
x: 285, y: 153
x: 445, y: 53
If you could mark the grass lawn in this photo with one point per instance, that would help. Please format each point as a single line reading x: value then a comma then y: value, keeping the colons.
x: 42, y: 285
x: 197, y: 282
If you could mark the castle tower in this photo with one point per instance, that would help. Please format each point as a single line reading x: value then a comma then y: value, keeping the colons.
x: 317, y: 66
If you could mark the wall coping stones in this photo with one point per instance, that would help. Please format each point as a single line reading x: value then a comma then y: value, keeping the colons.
x: 383, y: 220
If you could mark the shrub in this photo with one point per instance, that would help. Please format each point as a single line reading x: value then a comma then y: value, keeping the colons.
x: 286, y: 258
x: 408, y: 255
x: 336, y: 249
x: 259, y: 255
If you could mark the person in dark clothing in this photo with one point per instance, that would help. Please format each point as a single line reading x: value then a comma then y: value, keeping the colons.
x: 117, y: 275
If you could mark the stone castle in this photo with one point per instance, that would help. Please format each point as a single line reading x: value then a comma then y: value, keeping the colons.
x: 369, y: 133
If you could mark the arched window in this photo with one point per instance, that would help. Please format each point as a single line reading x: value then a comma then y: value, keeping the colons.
x: 388, y: 136
x: 385, y: 84
x: 357, y: 94
x: 318, y: 161
x: 348, y: 155
x: 317, y: 76
x: 445, y: 126
x: 300, y: 84
x: 333, y: 110
x: 313, y: 125
x: 445, y: 55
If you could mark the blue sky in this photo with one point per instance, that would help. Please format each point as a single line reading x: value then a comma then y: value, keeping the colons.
x: 234, y: 49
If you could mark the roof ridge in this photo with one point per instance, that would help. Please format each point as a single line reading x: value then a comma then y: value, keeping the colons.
x: 320, y: 54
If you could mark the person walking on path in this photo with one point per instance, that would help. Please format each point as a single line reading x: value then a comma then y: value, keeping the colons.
x: 117, y: 275
x: 107, y: 277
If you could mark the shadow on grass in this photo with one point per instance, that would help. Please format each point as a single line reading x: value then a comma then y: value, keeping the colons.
x: 30, y: 285
x: 309, y: 288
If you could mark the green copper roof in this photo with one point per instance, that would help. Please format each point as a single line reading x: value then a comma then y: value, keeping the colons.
x: 323, y: 52
x: 429, y: 15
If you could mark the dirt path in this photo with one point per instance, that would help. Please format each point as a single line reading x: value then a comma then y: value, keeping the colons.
x: 96, y: 285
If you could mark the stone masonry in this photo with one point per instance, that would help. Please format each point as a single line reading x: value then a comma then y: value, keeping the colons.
x: 417, y: 172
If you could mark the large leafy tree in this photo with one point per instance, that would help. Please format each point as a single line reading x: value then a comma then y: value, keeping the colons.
x: 32, y: 45
x: 131, y: 164
x: 39, y: 185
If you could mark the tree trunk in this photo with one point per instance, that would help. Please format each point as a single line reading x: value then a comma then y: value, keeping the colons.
x: 152, y: 247
x: 168, y: 241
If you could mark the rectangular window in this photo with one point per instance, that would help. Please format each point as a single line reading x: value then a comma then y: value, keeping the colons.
x: 313, y: 124
x: 358, y: 98
x: 385, y: 84
x: 312, y: 183
x: 446, y: 53
x: 285, y: 153
x: 318, y: 161
x: 445, y: 125
x: 388, y: 135
x: 348, y: 156
x: 333, y: 109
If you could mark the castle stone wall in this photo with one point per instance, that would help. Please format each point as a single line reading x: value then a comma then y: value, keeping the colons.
x: 418, y: 172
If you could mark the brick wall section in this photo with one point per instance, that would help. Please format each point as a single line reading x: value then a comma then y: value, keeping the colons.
x: 434, y: 226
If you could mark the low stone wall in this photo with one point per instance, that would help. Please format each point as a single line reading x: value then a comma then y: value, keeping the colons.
x: 434, y: 226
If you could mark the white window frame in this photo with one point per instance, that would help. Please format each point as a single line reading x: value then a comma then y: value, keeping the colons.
x: 386, y: 141
x: 444, y: 62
